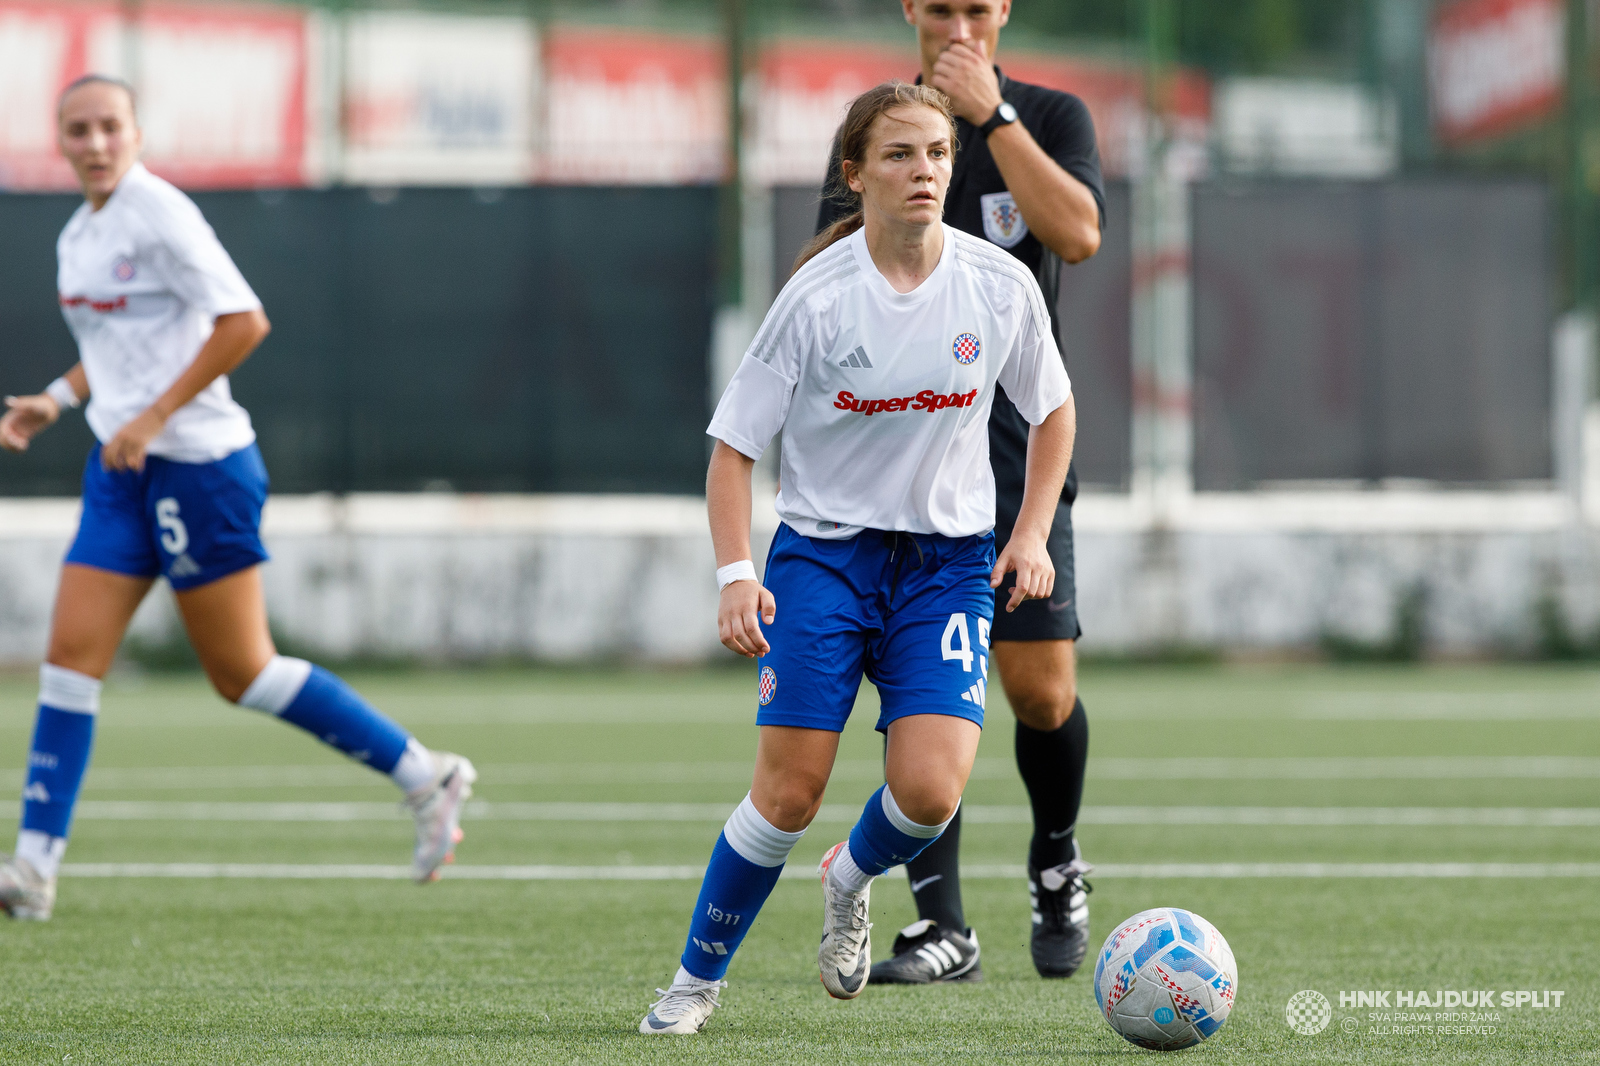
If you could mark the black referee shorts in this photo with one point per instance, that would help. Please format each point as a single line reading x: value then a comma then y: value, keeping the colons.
x: 1052, y: 619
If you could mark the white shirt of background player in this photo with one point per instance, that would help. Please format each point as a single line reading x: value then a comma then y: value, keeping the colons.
x: 141, y: 282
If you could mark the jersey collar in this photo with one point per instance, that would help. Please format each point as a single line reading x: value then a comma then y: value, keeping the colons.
x: 922, y: 293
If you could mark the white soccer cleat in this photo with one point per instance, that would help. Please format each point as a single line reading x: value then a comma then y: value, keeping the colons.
x: 24, y: 893
x: 437, y: 809
x: 845, y: 957
x: 682, y: 1009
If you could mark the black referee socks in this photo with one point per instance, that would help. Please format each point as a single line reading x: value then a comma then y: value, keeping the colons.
x: 1052, y: 766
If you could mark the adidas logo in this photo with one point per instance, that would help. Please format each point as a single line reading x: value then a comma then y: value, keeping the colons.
x: 977, y: 693
x: 36, y: 792
x: 183, y: 566
x: 716, y: 947
x: 857, y: 359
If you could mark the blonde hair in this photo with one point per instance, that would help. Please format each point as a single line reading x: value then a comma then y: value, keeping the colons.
x: 853, y: 144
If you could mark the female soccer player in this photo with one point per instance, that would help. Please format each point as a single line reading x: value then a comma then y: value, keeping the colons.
x: 878, y: 362
x: 175, y: 487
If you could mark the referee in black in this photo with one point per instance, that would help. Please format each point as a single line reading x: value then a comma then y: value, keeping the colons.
x: 1027, y: 178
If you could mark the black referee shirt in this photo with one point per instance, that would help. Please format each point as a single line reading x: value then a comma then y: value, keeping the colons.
x: 1060, y: 123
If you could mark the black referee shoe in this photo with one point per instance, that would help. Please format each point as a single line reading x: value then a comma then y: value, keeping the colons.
x: 925, y: 954
x: 1060, y: 898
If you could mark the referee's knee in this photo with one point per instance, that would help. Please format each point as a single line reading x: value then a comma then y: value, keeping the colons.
x: 1043, y: 707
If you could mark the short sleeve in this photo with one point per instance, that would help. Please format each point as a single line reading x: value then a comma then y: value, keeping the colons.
x: 1035, y: 378
x: 1067, y: 136
x: 191, y: 260
x: 756, y: 402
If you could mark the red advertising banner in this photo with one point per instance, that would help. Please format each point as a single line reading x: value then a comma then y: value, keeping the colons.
x: 634, y: 107
x: 805, y: 87
x: 222, y: 88
x: 1494, y: 65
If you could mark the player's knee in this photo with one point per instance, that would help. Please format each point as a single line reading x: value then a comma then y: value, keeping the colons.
x: 927, y: 802
x: 790, y: 804
x: 232, y: 679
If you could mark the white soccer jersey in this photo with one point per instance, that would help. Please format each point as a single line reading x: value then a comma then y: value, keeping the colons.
x: 883, y: 398
x: 141, y: 282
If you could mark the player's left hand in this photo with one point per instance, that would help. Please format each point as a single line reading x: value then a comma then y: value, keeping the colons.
x: 1036, y: 574
x: 964, y: 74
x: 126, y: 450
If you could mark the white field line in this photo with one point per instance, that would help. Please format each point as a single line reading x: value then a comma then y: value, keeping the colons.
x: 842, y: 814
x: 1325, y: 768
x: 1209, y: 871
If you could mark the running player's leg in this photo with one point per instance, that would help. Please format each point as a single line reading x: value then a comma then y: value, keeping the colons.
x: 205, y: 519
x: 92, y: 611
x: 806, y: 687
x: 931, y: 669
x: 227, y: 623
x: 792, y: 768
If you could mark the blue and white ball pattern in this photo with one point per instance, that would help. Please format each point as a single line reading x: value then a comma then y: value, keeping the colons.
x: 1165, y: 979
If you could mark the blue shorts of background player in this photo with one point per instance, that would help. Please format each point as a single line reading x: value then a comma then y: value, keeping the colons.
x: 192, y: 522
x: 911, y: 611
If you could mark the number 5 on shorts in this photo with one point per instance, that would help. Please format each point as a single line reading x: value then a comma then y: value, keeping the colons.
x: 175, y: 535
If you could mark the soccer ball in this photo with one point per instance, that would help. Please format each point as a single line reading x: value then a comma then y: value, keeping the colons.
x: 1165, y: 979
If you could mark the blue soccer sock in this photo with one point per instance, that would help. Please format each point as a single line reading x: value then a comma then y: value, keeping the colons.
x: 326, y: 707
x: 883, y: 837
x: 63, y: 736
x: 744, y: 867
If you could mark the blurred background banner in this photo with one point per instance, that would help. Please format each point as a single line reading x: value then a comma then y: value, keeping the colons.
x: 1495, y: 65
x: 224, y: 91
x: 438, y: 99
x: 1339, y: 333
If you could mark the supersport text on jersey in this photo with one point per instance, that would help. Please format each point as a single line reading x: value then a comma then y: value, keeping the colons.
x: 926, y: 400
x: 140, y: 283
x: 978, y: 321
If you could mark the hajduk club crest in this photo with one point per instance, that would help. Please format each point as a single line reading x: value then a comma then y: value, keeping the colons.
x: 966, y: 349
x: 767, y: 687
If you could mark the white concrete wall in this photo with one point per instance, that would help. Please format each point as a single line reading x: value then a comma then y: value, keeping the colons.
x: 573, y: 578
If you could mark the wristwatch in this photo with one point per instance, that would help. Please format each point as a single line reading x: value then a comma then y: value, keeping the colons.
x: 1004, y: 115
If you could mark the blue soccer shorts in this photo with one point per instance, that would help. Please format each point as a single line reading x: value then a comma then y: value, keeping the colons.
x: 192, y: 522
x: 910, y: 611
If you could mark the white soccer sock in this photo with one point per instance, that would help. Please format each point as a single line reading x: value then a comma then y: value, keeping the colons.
x: 415, y: 769
x: 685, y: 979
x: 42, y: 851
x: 756, y: 839
x: 276, y: 686
x: 844, y: 871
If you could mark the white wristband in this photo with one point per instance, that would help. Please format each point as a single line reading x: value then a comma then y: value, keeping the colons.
x: 743, y: 570
x: 61, y: 391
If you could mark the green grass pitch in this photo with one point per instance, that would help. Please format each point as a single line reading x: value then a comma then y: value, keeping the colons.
x: 246, y: 970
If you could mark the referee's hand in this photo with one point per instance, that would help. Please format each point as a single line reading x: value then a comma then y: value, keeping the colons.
x: 745, y: 605
x: 1036, y: 574
x: 964, y: 74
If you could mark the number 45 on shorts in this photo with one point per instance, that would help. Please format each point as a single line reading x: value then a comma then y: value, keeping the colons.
x: 955, y: 644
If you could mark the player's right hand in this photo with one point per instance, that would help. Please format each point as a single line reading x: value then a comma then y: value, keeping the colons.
x: 25, y: 418
x: 745, y: 605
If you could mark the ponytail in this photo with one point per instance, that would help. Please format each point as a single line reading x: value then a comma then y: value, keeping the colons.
x: 833, y: 234
x: 852, y: 143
